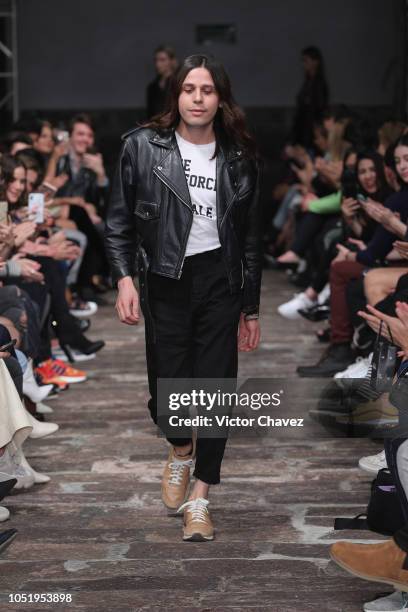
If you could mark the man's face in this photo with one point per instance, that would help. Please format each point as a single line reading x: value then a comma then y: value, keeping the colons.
x: 198, y: 100
x: 163, y: 63
x: 82, y: 137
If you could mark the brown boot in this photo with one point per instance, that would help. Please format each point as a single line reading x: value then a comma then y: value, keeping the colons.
x: 176, y: 480
x: 197, y: 523
x: 377, y: 562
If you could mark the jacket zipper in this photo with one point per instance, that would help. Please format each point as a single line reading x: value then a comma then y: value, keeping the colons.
x: 242, y: 273
x: 179, y: 273
x: 228, y: 209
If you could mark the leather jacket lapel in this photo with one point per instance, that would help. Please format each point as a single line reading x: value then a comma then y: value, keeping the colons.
x: 171, y: 172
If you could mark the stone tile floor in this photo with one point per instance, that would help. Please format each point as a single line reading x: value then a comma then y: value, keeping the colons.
x: 99, y: 532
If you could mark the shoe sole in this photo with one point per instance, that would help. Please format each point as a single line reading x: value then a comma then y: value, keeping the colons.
x: 397, y: 585
x: 7, y: 543
x: 73, y: 379
x: 198, y: 537
x: 371, y: 471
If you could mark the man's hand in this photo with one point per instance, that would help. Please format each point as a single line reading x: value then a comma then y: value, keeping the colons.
x: 127, y: 302
x: 249, y: 334
x: 95, y: 162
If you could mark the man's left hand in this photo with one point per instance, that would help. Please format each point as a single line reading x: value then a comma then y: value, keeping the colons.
x: 249, y: 334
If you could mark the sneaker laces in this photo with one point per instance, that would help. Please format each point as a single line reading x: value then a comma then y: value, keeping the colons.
x: 176, y: 470
x: 198, y: 509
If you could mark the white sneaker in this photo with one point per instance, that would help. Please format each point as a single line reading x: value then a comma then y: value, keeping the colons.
x: 324, y: 295
x: 4, y: 514
x: 77, y: 355
x: 41, y: 429
x: 36, y: 393
x: 373, y: 463
x: 89, y: 309
x: 358, y: 369
x: 290, y: 309
x: 396, y: 602
x: 38, y: 478
x: 11, y: 467
x: 43, y: 408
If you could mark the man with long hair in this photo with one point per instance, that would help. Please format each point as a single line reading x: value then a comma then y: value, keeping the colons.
x: 185, y: 197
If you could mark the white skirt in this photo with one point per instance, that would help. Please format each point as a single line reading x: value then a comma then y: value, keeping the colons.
x: 14, y: 423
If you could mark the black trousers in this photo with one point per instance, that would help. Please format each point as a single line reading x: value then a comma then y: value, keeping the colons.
x: 307, y: 230
x: 193, y: 334
x: 94, y: 261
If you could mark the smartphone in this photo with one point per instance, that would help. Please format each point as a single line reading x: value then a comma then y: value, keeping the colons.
x: 36, y: 207
x: 3, y: 212
x: 6, y: 347
x: 62, y: 136
x: 361, y: 199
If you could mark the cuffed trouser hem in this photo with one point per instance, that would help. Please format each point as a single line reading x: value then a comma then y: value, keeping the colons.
x: 210, y: 480
x: 179, y: 441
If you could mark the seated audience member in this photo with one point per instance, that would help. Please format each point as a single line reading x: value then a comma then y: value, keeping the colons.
x: 317, y: 231
x: 350, y: 264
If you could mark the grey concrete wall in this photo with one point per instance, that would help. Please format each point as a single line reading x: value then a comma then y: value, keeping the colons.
x: 97, y: 53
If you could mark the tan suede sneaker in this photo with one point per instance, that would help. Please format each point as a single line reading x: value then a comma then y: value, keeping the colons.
x: 377, y: 562
x: 197, y: 523
x: 176, y: 480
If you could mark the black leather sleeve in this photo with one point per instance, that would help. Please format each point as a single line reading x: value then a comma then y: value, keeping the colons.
x: 120, y: 234
x: 253, y: 252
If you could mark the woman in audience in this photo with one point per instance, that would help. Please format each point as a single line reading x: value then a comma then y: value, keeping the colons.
x: 353, y: 225
x: 45, y: 283
x: 350, y: 264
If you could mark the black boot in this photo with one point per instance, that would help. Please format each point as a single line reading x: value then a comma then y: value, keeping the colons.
x: 338, y: 357
x: 70, y: 337
x: 6, y: 538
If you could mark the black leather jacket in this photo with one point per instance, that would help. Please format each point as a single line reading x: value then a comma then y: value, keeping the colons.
x: 150, y: 208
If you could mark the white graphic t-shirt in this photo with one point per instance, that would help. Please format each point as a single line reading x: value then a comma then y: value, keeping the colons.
x: 200, y: 171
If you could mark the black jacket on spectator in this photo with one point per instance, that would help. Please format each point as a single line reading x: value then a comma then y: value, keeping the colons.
x: 84, y: 184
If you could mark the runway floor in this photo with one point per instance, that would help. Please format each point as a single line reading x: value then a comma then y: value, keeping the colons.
x: 99, y: 531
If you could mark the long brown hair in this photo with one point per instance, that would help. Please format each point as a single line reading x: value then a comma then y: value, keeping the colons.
x: 229, y: 122
x: 8, y: 165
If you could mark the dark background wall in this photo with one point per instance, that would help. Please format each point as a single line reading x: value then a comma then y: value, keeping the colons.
x: 98, y: 53
x: 96, y: 56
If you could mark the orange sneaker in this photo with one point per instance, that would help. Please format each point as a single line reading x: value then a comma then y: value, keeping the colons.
x: 66, y: 372
x: 48, y: 377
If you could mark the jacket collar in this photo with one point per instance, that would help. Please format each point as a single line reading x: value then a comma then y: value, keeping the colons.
x: 167, y: 140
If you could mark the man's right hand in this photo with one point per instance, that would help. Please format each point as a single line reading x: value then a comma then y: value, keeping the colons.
x: 127, y: 303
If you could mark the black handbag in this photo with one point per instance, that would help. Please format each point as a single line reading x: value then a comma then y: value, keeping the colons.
x: 384, y: 363
x: 399, y: 395
x: 384, y: 513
